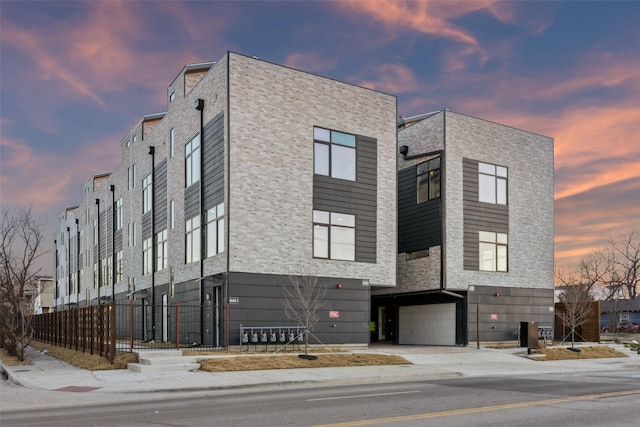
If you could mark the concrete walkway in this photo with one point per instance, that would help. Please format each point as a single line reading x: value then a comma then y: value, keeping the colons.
x: 49, y: 382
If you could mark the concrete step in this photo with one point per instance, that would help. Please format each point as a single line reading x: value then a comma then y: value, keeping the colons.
x: 182, y: 367
x: 159, y: 354
x: 167, y: 360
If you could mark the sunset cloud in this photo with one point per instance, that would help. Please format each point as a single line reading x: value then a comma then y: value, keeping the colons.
x: 393, y: 78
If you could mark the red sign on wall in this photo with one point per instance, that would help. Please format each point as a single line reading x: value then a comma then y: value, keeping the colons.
x: 334, y: 314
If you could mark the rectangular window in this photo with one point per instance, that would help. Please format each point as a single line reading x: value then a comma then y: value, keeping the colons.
x: 192, y: 161
x: 147, y: 255
x: 172, y: 96
x: 107, y: 271
x: 171, y: 141
x: 334, y: 154
x: 131, y: 174
x: 215, y: 230
x: 334, y: 235
x: 132, y: 234
x: 95, y: 231
x: 162, y: 250
x: 492, y: 183
x: 118, y: 214
x: 172, y: 214
x: 428, y: 180
x: 118, y: 266
x: 192, y: 239
x: 96, y: 274
x: 493, y: 251
x: 147, y: 190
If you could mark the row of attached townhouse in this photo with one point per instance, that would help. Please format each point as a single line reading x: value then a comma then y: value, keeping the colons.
x: 430, y: 230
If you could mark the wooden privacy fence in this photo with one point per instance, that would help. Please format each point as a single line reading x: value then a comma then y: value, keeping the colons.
x: 88, y: 329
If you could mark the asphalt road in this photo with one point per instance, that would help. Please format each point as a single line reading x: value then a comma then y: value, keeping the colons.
x: 597, y: 399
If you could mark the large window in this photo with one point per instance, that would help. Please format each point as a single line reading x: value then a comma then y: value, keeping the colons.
x: 147, y: 190
x: 492, y: 183
x: 334, y: 154
x: 493, y: 248
x: 334, y: 235
x: 192, y: 161
x: 428, y: 180
x: 162, y: 250
x: 118, y: 214
x: 215, y: 230
x: 192, y: 239
x: 147, y: 255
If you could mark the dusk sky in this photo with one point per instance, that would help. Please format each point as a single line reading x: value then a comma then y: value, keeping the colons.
x: 76, y: 76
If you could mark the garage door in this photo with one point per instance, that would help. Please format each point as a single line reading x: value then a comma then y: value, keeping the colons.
x: 432, y: 324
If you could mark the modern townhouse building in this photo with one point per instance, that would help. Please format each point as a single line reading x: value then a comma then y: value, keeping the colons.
x: 475, y: 233
x: 255, y: 174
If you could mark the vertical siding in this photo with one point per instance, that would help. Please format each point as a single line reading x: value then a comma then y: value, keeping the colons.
x: 191, y: 201
x: 213, y: 162
x: 478, y: 216
x: 160, y: 196
x: 418, y: 223
x: 354, y: 197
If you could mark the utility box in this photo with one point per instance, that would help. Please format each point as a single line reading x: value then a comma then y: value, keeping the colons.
x: 529, y: 334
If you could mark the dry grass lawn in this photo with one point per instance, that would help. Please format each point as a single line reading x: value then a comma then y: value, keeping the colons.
x: 252, y: 363
x: 12, y: 360
x: 600, y: 352
x: 91, y: 362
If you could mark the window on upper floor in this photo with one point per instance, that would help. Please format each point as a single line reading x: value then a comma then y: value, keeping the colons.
x: 171, y: 141
x: 192, y: 161
x: 428, y: 180
x: 172, y: 96
x: 147, y: 190
x: 147, y: 255
x: 334, y: 154
x: 172, y: 214
x: 162, y: 250
x: 192, y: 239
x: 215, y: 230
x: 107, y: 271
x: 131, y: 176
x: 334, y: 235
x: 493, y: 251
x: 118, y: 214
x: 118, y: 266
x: 492, y: 183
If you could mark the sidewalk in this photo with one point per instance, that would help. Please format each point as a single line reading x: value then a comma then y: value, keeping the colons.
x: 50, y: 382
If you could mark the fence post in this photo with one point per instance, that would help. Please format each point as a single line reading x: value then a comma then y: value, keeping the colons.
x: 177, y: 327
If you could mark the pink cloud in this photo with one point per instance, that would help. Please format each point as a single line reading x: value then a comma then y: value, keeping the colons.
x: 393, y: 78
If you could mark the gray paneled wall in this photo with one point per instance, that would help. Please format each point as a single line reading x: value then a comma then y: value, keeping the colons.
x: 419, y: 225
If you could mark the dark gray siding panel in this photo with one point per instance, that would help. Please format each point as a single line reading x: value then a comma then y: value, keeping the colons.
x: 357, y: 198
x: 117, y: 240
x: 160, y: 196
x: 213, y: 162
x: 419, y: 225
x: 191, y: 201
x: 478, y: 216
x: 261, y: 304
x: 146, y: 225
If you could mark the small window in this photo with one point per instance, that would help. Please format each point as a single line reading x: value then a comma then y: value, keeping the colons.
x: 171, y: 141
x: 334, y: 235
x: 492, y: 184
x: 493, y: 251
x: 172, y: 96
x: 334, y: 154
x: 428, y: 180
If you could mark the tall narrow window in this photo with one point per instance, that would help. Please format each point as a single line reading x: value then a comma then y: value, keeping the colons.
x: 192, y: 239
x: 171, y: 141
x: 428, y: 180
x: 172, y: 214
x: 493, y: 251
x: 118, y: 266
x: 492, y: 183
x: 118, y: 214
x: 132, y: 234
x: 147, y: 190
x: 334, y: 154
x: 131, y: 174
x: 147, y: 255
x: 192, y: 161
x: 215, y: 230
x: 334, y: 235
x: 162, y: 254
x: 107, y: 271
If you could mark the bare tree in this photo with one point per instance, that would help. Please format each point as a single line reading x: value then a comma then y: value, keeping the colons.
x: 303, y: 300
x: 626, y: 258
x: 21, y: 240
x: 594, y: 270
x: 576, y: 308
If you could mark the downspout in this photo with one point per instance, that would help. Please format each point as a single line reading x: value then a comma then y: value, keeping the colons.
x: 77, y: 262
x: 443, y: 205
x: 113, y: 243
x: 152, y: 151
x: 99, y: 260
x: 69, y: 263
x: 227, y: 204
x: 199, y: 105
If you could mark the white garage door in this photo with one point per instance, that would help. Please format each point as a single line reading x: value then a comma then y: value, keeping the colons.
x: 432, y: 324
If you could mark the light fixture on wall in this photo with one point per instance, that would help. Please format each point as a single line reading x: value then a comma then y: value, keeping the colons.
x: 338, y: 286
x: 198, y: 104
